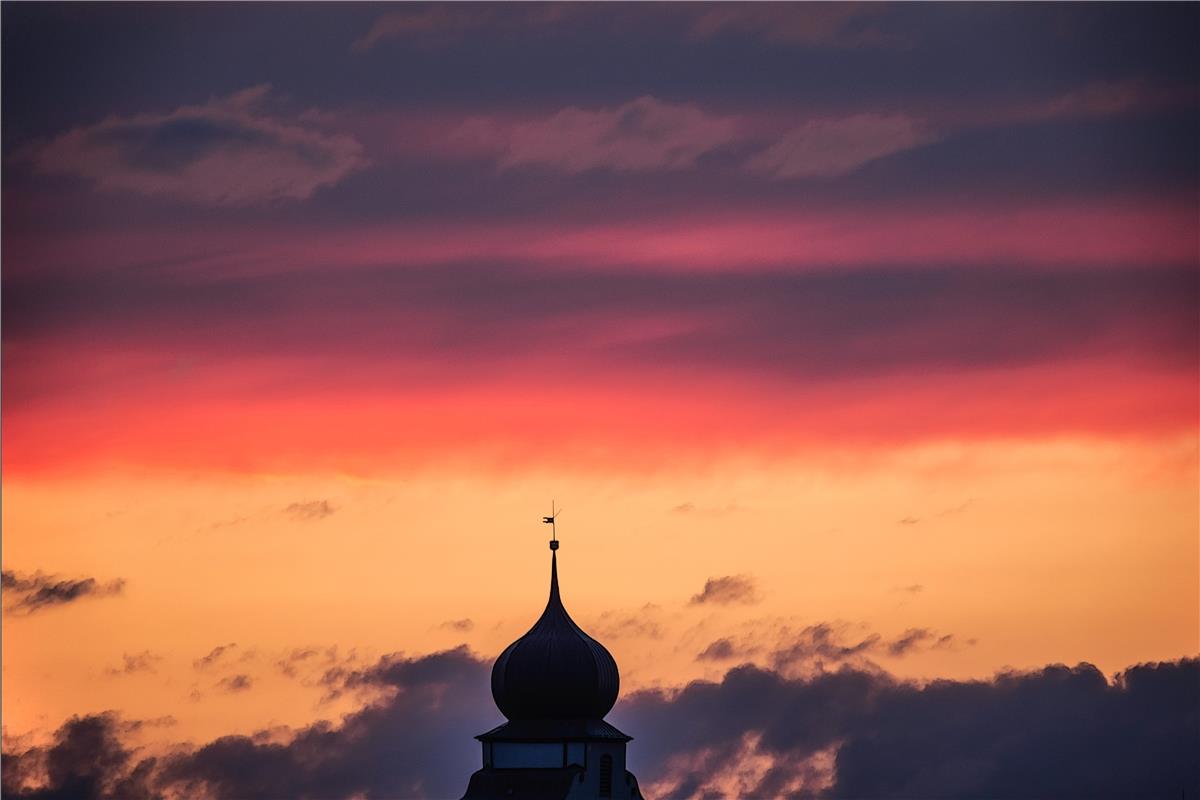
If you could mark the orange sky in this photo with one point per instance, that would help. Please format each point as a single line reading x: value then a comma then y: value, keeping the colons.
x: 1027, y: 552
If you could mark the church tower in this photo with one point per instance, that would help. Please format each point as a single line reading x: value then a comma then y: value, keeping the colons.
x: 554, y: 684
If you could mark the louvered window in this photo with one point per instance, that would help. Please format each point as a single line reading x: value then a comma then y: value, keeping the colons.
x: 606, y: 776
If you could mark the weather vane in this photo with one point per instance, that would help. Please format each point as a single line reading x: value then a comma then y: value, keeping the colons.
x: 550, y: 521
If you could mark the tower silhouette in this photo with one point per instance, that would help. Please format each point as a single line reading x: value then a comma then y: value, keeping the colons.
x: 554, y: 684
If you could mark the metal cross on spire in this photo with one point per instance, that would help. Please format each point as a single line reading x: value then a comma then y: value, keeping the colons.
x: 550, y: 521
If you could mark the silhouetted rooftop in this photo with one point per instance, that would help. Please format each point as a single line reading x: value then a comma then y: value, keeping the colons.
x: 549, y: 730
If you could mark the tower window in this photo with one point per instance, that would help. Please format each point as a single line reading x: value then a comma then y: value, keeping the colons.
x: 606, y: 776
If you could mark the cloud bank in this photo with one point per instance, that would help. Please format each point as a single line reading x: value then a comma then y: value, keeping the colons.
x: 1058, y: 731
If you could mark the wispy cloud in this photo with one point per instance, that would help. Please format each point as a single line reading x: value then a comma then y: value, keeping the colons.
x: 822, y: 25
x: 290, y: 662
x: 812, y: 25
x: 29, y: 594
x: 827, y: 148
x: 817, y: 647
x: 916, y: 638
x: 461, y: 625
x: 961, y: 508
x: 641, y: 624
x: 441, y: 23
x: 214, y: 655
x: 231, y: 151
x: 650, y: 134
x: 641, y: 135
x: 133, y: 663
x: 235, y: 683
x: 310, y: 510
x: 706, y: 511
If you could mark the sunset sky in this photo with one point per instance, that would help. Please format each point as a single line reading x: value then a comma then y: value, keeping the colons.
x: 858, y: 343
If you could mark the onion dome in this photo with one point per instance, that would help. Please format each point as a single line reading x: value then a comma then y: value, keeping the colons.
x: 555, y: 671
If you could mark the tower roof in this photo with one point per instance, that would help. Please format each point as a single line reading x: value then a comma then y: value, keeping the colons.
x: 555, y: 671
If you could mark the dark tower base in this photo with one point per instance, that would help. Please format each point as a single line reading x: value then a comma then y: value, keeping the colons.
x: 554, y: 758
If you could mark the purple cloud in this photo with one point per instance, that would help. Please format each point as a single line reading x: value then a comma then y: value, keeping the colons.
x: 640, y: 135
x: 230, y: 151
x: 829, y: 147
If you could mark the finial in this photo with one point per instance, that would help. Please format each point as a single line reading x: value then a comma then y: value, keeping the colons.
x: 550, y: 521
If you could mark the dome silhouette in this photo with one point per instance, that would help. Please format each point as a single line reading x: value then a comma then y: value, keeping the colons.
x: 555, y: 671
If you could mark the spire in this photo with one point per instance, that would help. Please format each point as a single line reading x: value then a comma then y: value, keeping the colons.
x: 550, y: 520
x: 555, y: 599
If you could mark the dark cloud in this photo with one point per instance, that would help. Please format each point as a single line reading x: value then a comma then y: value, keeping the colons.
x: 1054, y: 732
x: 136, y: 725
x: 915, y: 638
x: 718, y: 650
x: 235, y: 683
x: 214, y: 655
x: 414, y: 742
x: 912, y: 588
x: 144, y: 661
x: 87, y: 761
x: 310, y: 510
x: 725, y: 649
x: 29, y: 594
x: 909, y: 521
x: 821, y: 644
x: 726, y: 590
